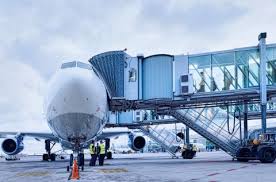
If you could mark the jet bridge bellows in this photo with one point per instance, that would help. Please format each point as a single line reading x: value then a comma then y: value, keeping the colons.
x: 110, y: 68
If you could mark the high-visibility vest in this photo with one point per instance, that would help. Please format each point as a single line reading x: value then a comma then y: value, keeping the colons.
x: 92, y: 149
x: 102, y: 148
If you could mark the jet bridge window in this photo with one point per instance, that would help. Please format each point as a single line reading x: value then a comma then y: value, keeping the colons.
x: 132, y: 75
x: 84, y: 65
x: 68, y: 65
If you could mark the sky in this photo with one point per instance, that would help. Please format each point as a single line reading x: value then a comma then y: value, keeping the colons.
x: 36, y: 36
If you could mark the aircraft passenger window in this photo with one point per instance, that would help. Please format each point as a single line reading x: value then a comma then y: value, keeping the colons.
x: 84, y: 66
x: 68, y: 65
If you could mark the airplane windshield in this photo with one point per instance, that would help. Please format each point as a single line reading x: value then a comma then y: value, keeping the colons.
x: 68, y: 65
x: 74, y: 64
x: 84, y: 65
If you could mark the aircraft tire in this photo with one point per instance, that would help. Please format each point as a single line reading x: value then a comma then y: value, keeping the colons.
x: 53, y: 157
x: 45, y: 157
x: 71, y: 159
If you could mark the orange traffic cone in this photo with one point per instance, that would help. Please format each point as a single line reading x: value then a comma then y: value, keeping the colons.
x: 75, y: 171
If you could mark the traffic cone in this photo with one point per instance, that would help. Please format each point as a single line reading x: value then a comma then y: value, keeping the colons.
x: 75, y: 171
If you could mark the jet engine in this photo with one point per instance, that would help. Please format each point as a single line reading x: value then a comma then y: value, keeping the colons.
x: 12, y: 146
x: 136, y: 143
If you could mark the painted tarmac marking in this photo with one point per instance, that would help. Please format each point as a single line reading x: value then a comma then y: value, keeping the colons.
x: 34, y: 174
x: 213, y: 174
x: 231, y: 169
x: 116, y: 170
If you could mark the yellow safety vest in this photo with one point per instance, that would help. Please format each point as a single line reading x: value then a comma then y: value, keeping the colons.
x: 92, y: 149
x: 102, y: 148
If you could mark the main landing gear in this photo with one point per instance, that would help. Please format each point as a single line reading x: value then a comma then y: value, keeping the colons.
x: 80, y: 161
x: 49, y: 156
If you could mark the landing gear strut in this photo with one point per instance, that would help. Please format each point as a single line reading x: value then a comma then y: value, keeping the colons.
x: 49, y: 156
x: 80, y: 160
x: 77, y: 155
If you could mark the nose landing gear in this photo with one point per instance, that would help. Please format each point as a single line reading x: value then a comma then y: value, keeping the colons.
x: 80, y: 160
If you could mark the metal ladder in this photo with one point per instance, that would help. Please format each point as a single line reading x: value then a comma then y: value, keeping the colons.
x: 211, y: 124
x: 167, y: 139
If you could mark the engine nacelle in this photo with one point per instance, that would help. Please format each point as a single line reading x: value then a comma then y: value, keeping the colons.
x: 136, y: 143
x: 12, y: 146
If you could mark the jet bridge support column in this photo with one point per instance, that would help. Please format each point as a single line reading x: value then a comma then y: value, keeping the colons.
x: 187, y: 137
x: 245, y: 118
x: 263, y: 94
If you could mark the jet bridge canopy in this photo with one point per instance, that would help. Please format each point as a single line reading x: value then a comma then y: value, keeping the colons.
x: 110, y: 68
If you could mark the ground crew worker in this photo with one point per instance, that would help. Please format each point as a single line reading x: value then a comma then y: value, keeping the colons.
x: 102, y: 153
x: 93, y: 153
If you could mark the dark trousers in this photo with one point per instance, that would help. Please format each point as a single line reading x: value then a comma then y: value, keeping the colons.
x: 101, y: 159
x: 93, y: 159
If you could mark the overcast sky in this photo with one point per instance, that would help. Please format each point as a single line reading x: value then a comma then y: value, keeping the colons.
x: 36, y: 36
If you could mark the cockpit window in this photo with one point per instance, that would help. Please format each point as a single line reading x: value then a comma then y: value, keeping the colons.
x: 84, y: 65
x: 74, y: 64
x: 68, y: 65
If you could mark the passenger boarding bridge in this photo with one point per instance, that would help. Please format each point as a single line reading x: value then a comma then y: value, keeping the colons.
x: 212, y: 93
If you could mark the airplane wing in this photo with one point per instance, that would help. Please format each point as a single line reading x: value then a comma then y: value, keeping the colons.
x: 112, y: 134
x: 50, y: 136
x: 37, y: 136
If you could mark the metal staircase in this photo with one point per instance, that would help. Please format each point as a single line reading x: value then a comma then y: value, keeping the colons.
x: 212, y: 124
x: 167, y: 139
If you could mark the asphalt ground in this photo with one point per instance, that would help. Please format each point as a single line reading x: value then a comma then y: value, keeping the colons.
x: 206, y: 166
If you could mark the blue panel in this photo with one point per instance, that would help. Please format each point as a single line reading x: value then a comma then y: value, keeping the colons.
x: 157, y: 77
x: 126, y: 117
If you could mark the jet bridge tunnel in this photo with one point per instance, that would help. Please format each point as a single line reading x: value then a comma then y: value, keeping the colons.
x: 204, y: 91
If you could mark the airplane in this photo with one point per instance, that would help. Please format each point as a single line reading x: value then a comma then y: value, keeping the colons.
x: 76, y: 108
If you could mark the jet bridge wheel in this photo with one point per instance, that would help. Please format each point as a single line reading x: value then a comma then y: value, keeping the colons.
x: 267, y: 155
x: 188, y: 154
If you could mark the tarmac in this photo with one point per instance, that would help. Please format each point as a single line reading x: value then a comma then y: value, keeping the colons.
x: 153, y: 167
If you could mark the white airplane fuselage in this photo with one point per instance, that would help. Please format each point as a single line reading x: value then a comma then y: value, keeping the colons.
x: 76, y: 104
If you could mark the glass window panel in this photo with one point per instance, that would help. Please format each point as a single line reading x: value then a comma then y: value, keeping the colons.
x: 271, y: 64
x: 247, y: 62
x: 223, y: 69
x: 68, y: 65
x: 200, y: 68
x: 84, y: 65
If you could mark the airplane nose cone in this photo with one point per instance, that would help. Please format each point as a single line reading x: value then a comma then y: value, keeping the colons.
x: 75, y: 88
x: 78, y: 106
x: 76, y: 94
